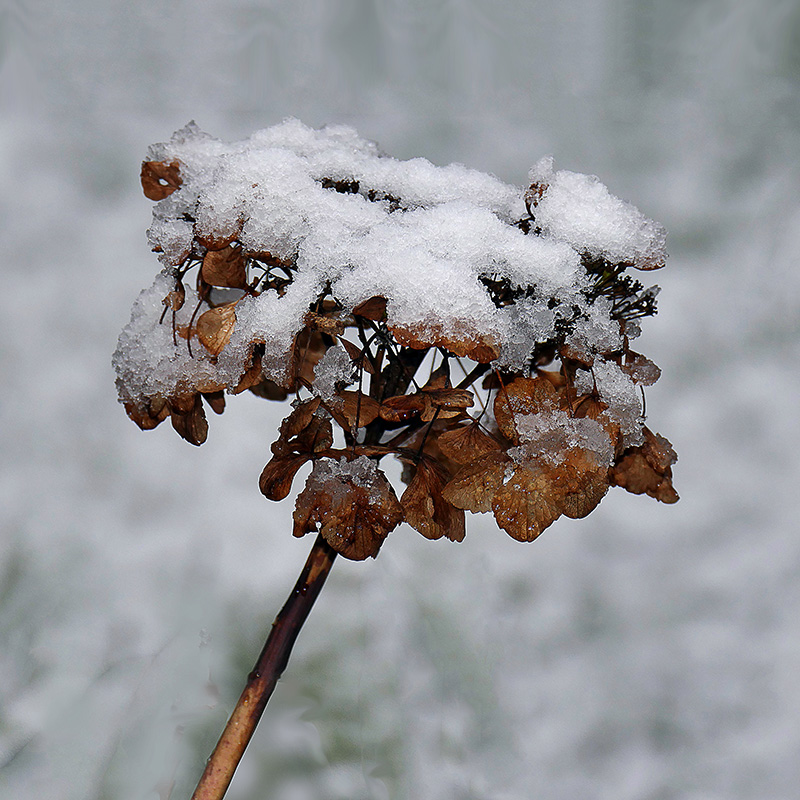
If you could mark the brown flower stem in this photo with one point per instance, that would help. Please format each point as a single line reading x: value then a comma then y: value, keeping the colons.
x: 261, y: 681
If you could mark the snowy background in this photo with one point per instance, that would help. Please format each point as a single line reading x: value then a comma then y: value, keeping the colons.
x: 648, y: 651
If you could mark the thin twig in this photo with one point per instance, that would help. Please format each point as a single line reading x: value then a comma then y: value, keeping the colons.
x: 261, y: 681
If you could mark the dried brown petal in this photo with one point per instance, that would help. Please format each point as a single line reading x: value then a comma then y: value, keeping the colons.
x: 176, y: 298
x: 253, y: 378
x: 353, y: 410
x: 357, y: 356
x: 215, y: 326
x: 536, y: 495
x: 402, y: 408
x: 520, y: 397
x: 216, y: 400
x: 467, y: 443
x: 583, y: 481
x: 473, y: 487
x: 526, y: 505
x: 309, y: 347
x: 277, y: 477
x: 445, y: 403
x: 225, y: 268
x: 160, y: 180
x: 374, y: 308
x: 145, y: 418
x: 640, y: 369
x: 647, y: 469
x: 425, y: 508
x: 191, y: 424
x: 297, y: 421
x: 220, y: 238
x: 353, y: 520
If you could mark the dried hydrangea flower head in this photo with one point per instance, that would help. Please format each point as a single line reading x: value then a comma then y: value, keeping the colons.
x: 477, y: 332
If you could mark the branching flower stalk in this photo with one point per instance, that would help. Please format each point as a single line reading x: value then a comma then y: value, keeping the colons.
x: 478, y: 333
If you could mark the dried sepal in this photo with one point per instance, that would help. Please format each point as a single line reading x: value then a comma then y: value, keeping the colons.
x: 425, y: 509
x: 374, y: 309
x: 176, y: 298
x: 524, y: 506
x: 358, y: 356
x: 297, y: 421
x: 147, y: 417
x: 473, y: 486
x: 640, y: 369
x: 353, y: 519
x: 216, y: 400
x: 536, y: 495
x: 253, y: 378
x: 308, y: 349
x: 467, y: 443
x: 521, y: 397
x: 225, y: 268
x: 160, y: 180
x: 215, y: 327
x: 647, y: 469
x: 353, y: 410
x: 277, y: 476
x: 189, y: 419
x: 402, y: 408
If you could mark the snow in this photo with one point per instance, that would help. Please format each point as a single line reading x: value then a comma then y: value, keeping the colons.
x: 423, y: 237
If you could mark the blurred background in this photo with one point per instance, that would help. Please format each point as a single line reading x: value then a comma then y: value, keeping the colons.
x: 648, y: 651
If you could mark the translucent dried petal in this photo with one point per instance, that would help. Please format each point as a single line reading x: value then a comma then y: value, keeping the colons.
x: 278, y: 475
x: 160, y: 180
x: 191, y: 424
x: 215, y: 326
x: 473, y: 486
x: 354, y: 520
x: 225, y: 268
x: 647, y: 469
x: 467, y: 443
x: 424, y: 507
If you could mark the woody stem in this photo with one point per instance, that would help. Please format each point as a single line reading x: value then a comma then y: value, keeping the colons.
x: 261, y: 681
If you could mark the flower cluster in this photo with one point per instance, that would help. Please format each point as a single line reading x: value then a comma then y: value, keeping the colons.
x: 480, y: 335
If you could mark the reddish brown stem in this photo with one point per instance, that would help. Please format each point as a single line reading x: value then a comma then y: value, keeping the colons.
x: 261, y: 681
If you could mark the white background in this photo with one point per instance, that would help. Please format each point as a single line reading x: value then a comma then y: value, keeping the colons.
x: 648, y: 651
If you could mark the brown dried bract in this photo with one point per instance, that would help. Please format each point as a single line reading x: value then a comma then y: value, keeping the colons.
x: 216, y: 400
x: 640, y: 369
x: 473, y: 486
x: 536, y: 495
x: 147, y: 418
x: 353, y: 520
x: 215, y: 326
x: 353, y: 410
x: 277, y: 477
x: 647, y: 469
x: 160, y: 180
x: 426, y: 510
x: 467, y: 443
x: 189, y: 419
x: 225, y: 268
x: 374, y: 309
x: 325, y: 323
